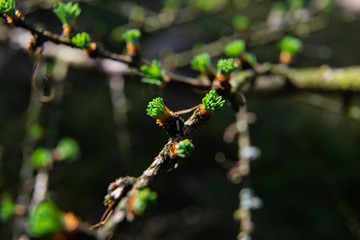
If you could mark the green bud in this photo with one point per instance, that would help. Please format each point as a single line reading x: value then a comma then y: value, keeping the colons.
x: 68, y: 149
x: 81, y: 40
x: 132, y: 36
x: 226, y: 66
x: 154, y: 73
x: 67, y: 12
x: 45, y: 219
x: 7, y: 208
x: 156, y: 108
x: 7, y: 7
x: 184, y: 148
x: 235, y: 48
x: 41, y: 158
x: 145, y: 201
x: 201, y: 63
x: 290, y: 45
x: 241, y: 23
x: 211, y: 103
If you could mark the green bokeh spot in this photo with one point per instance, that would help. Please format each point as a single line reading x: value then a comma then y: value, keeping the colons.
x: 45, y: 219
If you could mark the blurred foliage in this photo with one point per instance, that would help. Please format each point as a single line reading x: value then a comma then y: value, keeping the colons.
x: 81, y: 40
x: 241, y: 23
x: 154, y: 73
x: 235, y: 48
x: 7, y: 208
x: 226, y: 66
x: 132, y: 36
x: 201, y: 63
x: 68, y: 13
x: 42, y: 158
x: 144, y: 201
x: 308, y: 172
x: 68, y: 150
x: 290, y: 45
x: 46, y: 219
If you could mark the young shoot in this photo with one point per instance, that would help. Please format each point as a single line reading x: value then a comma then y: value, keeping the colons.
x: 183, y: 149
x: 235, y: 48
x: 82, y: 40
x: 201, y: 63
x: 132, y: 36
x: 143, y: 202
x: 211, y: 103
x: 67, y: 13
x: 156, y: 108
x: 289, y: 47
x: 226, y: 67
x: 154, y: 73
x: 7, y: 7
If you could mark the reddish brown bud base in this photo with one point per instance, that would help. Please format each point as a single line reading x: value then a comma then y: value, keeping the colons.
x: 92, y: 50
x: 285, y: 58
x: 203, y: 113
x: 132, y: 50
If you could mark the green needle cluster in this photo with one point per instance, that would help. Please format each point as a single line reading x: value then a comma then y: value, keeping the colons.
x: 81, y: 40
x: 154, y: 73
x: 145, y: 201
x: 226, y: 66
x: 184, y: 148
x: 132, y: 36
x: 290, y: 45
x: 7, y: 7
x: 67, y: 12
x: 7, y: 208
x: 46, y: 219
x: 201, y: 63
x: 156, y: 108
x: 41, y: 158
x: 235, y: 48
x: 211, y: 103
x: 68, y: 149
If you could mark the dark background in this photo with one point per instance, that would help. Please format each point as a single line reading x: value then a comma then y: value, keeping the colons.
x: 307, y: 176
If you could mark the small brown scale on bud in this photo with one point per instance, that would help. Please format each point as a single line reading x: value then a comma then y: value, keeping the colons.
x: 204, y: 114
x: 171, y: 122
x: 285, y: 58
x: 92, y: 51
x: 132, y: 50
x: 67, y: 30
